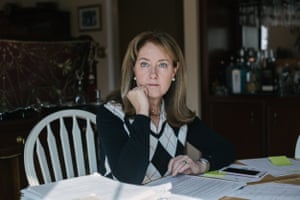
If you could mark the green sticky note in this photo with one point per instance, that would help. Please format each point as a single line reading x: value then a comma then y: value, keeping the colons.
x: 215, y: 174
x: 280, y: 160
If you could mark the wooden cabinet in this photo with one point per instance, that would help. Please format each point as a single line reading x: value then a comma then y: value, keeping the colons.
x: 258, y: 126
x: 10, y: 173
x: 13, y: 135
x: 283, y: 126
x: 241, y: 122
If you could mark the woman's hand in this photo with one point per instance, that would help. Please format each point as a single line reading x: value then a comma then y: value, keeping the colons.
x: 138, y: 98
x: 183, y: 164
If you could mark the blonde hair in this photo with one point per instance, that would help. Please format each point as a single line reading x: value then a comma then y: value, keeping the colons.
x: 175, y: 99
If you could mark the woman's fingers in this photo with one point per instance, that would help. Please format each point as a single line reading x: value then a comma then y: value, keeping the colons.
x: 183, y: 164
x: 138, y: 98
x: 180, y: 165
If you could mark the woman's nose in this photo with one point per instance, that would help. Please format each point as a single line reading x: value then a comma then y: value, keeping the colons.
x: 153, y: 72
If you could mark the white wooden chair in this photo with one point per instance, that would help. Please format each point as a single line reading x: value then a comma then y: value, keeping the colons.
x: 297, y: 148
x: 62, y: 145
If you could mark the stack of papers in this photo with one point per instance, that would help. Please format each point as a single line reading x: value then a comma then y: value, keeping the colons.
x: 97, y: 187
x: 198, y: 187
x: 182, y: 187
x: 275, y: 170
x: 269, y: 191
x: 93, y: 187
x: 277, y: 166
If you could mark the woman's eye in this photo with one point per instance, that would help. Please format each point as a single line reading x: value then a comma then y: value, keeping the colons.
x: 163, y: 65
x: 144, y: 64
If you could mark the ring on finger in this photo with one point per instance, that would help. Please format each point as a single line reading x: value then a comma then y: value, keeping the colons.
x: 185, y: 162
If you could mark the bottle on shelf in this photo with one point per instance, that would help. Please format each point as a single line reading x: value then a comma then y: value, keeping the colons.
x: 297, y: 79
x: 238, y: 74
x: 285, y: 81
x: 228, y: 72
x: 268, y: 72
x: 253, y: 73
x: 219, y: 84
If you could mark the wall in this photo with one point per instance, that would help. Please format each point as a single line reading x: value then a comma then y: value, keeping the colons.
x: 108, y: 74
x: 192, y: 53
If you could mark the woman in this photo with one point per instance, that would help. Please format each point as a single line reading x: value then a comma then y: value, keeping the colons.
x: 145, y: 127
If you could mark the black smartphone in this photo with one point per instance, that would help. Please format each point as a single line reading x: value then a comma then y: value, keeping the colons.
x: 242, y: 171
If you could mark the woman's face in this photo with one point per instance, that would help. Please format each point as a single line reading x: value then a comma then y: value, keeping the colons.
x: 154, y: 70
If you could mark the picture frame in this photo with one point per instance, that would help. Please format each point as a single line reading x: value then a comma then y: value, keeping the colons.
x: 89, y: 18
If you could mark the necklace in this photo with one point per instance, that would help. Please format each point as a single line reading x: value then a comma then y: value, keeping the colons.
x: 153, y: 113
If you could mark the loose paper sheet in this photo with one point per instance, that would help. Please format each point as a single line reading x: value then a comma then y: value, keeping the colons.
x: 264, y: 164
x: 269, y: 191
x: 199, y: 187
x: 94, y: 187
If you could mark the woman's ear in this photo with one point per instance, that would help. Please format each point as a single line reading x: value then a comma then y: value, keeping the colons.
x: 175, y: 69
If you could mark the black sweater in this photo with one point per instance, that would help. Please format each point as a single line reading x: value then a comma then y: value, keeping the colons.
x: 126, y: 144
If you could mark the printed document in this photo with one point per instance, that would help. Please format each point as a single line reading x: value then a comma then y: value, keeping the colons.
x: 199, y: 187
x: 93, y: 187
x: 264, y: 164
x: 269, y: 191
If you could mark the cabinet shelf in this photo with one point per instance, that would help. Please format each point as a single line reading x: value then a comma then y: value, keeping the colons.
x: 257, y: 125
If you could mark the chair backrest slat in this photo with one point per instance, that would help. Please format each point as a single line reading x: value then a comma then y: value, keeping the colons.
x: 69, y: 135
x: 42, y: 161
x: 52, y: 146
x: 78, y: 147
x: 65, y: 143
x: 91, y: 147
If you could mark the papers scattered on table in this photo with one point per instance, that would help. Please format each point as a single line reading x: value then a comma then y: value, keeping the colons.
x: 269, y: 191
x: 212, y: 185
x: 265, y: 164
x: 198, y: 187
x: 93, y: 187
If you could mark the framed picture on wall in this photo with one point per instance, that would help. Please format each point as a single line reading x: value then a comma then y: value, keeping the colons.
x: 89, y: 18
